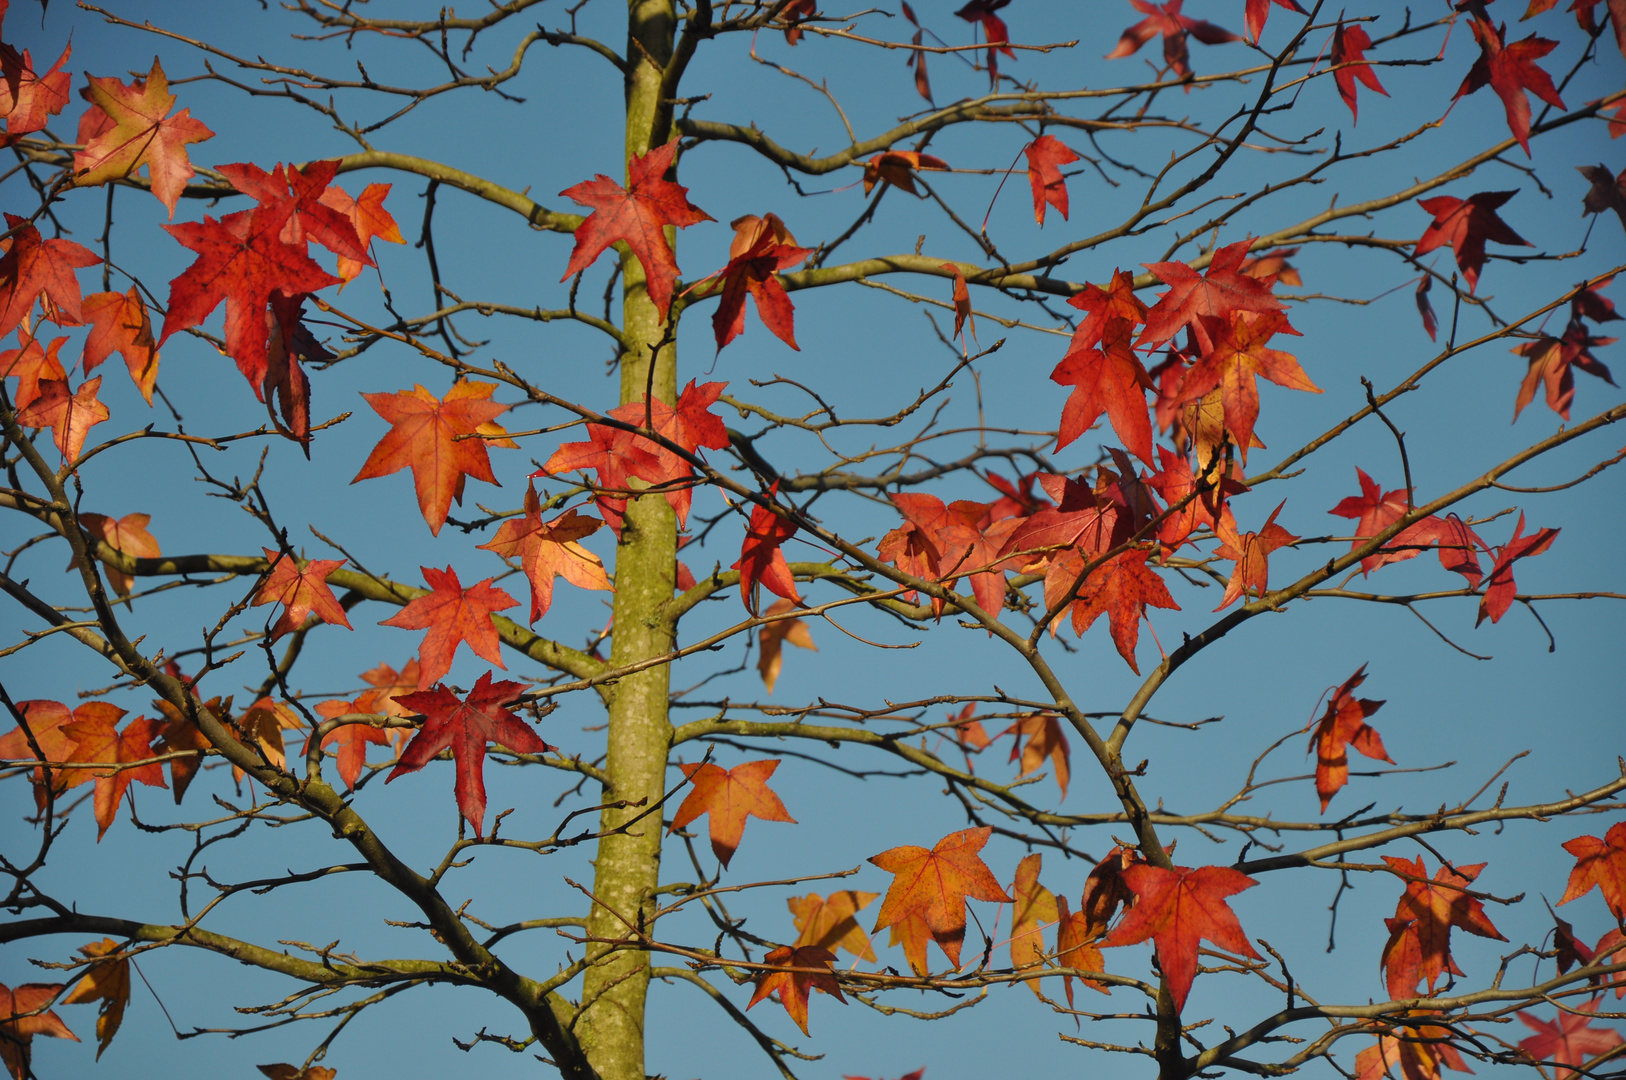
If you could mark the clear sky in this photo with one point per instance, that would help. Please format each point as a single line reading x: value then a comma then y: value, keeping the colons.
x: 867, y: 352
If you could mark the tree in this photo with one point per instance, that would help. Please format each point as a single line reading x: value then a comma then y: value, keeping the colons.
x: 989, y: 517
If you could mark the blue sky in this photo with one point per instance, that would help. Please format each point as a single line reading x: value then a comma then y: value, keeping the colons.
x: 867, y: 352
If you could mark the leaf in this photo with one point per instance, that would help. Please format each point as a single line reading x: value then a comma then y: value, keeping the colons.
x: 1606, y: 193
x: 1466, y: 224
x: 917, y: 55
x: 1102, y: 305
x: 1426, y: 309
x: 1568, y: 1039
x: 47, y: 721
x: 831, y: 922
x: 369, y: 219
x: 1420, y: 1053
x: 33, y: 267
x: 1046, y: 155
x: 389, y: 685
x: 898, y: 168
x: 352, y: 739
x: 180, y: 734
x: 1510, y: 70
x: 1608, y: 950
x: 1076, y: 949
x: 1108, y: 379
x: 1600, y: 864
x: 424, y: 435
x: 294, y: 193
x: 794, y: 986
x: 549, y: 550
x: 916, y: 1075
x: 962, y: 307
x: 28, y: 99
x: 1500, y: 588
x: 1221, y: 291
x: 1349, y: 45
x: 636, y: 215
x: 760, y: 558
x: 261, y: 729
x: 452, y: 614
x: 762, y: 248
x: 1203, y: 510
x: 993, y: 31
x: 119, y: 323
x: 1376, y: 510
x: 1121, y: 589
x: 729, y: 796
x: 1426, y: 914
x: 31, y: 365
x: 772, y: 638
x: 1344, y: 725
x: 1166, y: 19
x: 466, y: 727
x: 108, y: 981
x: 69, y: 414
x: 1045, y: 740
x: 1035, y: 908
x: 932, y: 886
x: 1251, y: 551
x: 1177, y: 909
x: 1239, y: 356
x: 792, y: 14
x: 96, y: 741
x: 294, y: 1072
x: 1106, y: 890
x: 301, y: 590
x: 22, y: 1016
x: 1258, y: 12
x: 1552, y: 364
x: 139, y: 131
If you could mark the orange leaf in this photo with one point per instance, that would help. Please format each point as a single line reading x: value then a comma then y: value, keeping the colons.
x: 962, y: 306
x: 33, y: 267
x: 181, y: 734
x: 1344, y: 725
x: 424, y: 435
x: 1036, y: 907
x: 772, y: 638
x: 302, y: 590
x: 452, y: 614
x: 549, y: 550
x: 1046, y: 155
x: 369, y: 218
x: 1045, y: 740
x: 139, y: 131
x: 729, y: 796
x: 1076, y: 948
x: 108, y: 981
x: 1600, y: 863
x: 931, y: 886
x: 119, y: 322
x: 831, y: 922
x: 898, y: 168
x: 794, y: 986
x: 22, y: 1016
x: 70, y: 414
x: 1177, y: 909
x: 1432, y: 909
x: 30, y: 365
x: 353, y: 739
x: 1251, y: 552
x: 96, y: 741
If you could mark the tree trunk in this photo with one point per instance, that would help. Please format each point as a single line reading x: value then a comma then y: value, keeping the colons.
x: 628, y: 865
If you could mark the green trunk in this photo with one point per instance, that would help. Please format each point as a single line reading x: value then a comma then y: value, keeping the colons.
x: 628, y: 865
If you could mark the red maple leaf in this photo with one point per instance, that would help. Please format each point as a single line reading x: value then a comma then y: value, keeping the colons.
x: 729, y: 796
x: 1607, y: 192
x: 550, y: 549
x: 424, y: 434
x: 761, y: 249
x: 69, y: 414
x: 1046, y: 739
x: 1121, y: 589
x: 1552, y: 365
x: 1419, y: 945
x: 931, y: 886
x: 28, y: 99
x: 1420, y: 1051
x: 1349, y: 45
x: 298, y: 191
x: 1222, y: 291
x: 1116, y: 301
x: 1166, y: 19
x: 760, y: 558
x: 368, y: 217
x: 1258, y: 13
x: 1237, y: 355
x: 1466, y: 224
x: 993, y: 31
x: 119, y: 322
x: 35, y: 266
x: 127, y: 535
x: 917, y: 55
x: 466, y: 727
x: 808, y: 969
x: 242, y: 260
x: 1569, y: 1039
x: 636, y: 215
x: 1510, y: 70
x: 352, y: 739
x: 97, y: 741
x: 301, y: 590
x: 1107, y: 379
x: 1344, y: 725
x: 1600, y: 863
x: 1251, y: 551
x: 1206, y: 506
x: 46, y: 722
x: 898, y: 168
x: 31, y: 365
x: 1046, y: 155
x: 1376, y: 510
x: 934, y: 539
x: 23, y: 1015
x: 1177, y: 909
x: 452, y: 614
x: 1500, y: 588
x: 962, y: 307
x: 134, y: 128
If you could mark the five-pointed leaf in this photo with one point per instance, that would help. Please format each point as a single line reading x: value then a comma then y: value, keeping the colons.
x: 466, y: 727
x: 1166, y: 19
x: 1258, y: 13
x: 96, y: 741
x: 27, y: 98
x: 1600, y: 863
x: 47, y: 722
x: 1046, y: 155
x: 1251, y: 575
x: 729, y: 796
x: 1122, y: 589
x: 1177, y: 909
x: 1344, y: 725
x: 180, y: 735
x: 368, y: 217
x: 1045, y: 740
x: 31, y: 365
x: 1376, y: 510
x: 452, y: 614
x: 762, y: 248
x: 831, y: 922
x: 760, y: 558
x: 119, y: 322
x: 932, y: 886
x: 1420, y: 933
x: 1500, y: 588
x: 1222, y: 291
x: 1239, y: 355
x: 70, y: 414
x: 301, y: 590
x: 108, y: 981
x: 1108, y: 379
x: 1466, y: 224
x: 637, y: 215
x: 1349, y: 45
x: 35, y: 266
x: 1510, y: 70
x: 1076, y: 948
x: 294, y: 194
x: 1552, y: 365
x: 21, y: 1019
x: 1569, y: 1039
x: 808, y: 970
x: 424, y: 434
x: 139, y: 131
x: 550, y: 549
